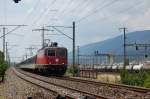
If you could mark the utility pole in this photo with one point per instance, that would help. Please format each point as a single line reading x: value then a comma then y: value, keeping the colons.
x: 140, y: 45
x: 43, y: 31
x: 6, y: 51
x: 26, y: 55
x: 4, y: 30
x: 73, y: 44
x: 72, y: 38
x: 7, y: 54
x: 124, y: 46
x: 78, y: 54
x: 4, y: 34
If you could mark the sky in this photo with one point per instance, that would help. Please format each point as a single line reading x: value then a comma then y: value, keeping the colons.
x: 96, y: 20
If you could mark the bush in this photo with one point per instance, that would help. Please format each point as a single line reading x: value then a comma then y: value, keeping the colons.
x: 73, y: 70
x: 147, y: 80
x: 136, y: 79
x: 3, y: 66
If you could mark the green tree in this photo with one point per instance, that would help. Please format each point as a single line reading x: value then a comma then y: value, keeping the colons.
x: 3, y: 66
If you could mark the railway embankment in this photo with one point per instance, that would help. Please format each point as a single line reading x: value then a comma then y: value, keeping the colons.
x: 23, y: 85
x: 97, y: 89
x: 16, y: 88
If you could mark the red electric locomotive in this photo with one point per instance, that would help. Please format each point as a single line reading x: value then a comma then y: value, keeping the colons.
x: 52, y: 60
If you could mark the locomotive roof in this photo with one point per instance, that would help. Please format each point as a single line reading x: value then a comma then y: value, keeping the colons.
x: 51, y: 47
x: 55, y: 47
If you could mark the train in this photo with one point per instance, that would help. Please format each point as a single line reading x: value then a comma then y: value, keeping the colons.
x: 117, y: 67
x: 50, y: 60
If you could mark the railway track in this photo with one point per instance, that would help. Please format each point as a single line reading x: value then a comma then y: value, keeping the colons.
x: 61, y: 90
x: 98, y: 83
x: 91, y: 88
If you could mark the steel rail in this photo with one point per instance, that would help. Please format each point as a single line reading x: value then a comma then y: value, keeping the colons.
x: 68, y: 88
x: 99, y: 83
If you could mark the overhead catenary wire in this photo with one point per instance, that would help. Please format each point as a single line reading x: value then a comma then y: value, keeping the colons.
x: 30, y: 13
x: 10, y: 31
x: 42, y: 13
x: 106, y: 18
x: 66, y: 7
x: 50, y: 11
x: 123, y: 10
x: 132, y: 7
x: 101, y: 3
x: 78, y: 6
x: 62, y: 33
x: 89, y: 3
x: 96, y: 11
x: 5, y: 11
x: 63, y: 11
x: 74, y: 8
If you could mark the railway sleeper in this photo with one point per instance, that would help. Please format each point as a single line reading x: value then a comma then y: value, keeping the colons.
x: 77, y: 97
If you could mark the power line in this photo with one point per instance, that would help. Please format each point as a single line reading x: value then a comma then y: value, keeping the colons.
x: 95, y: 6
x: 81, y: 3
x: 88, y: 4
x: 66, y: 8
x: 72, y: 38
x: 42, y: 13
x: 4, y: 34
x: 61, y: 12
x: 62, y: 32
x: 132, y: 7
x: 75, y: 8
x: 124, y: 45
x: 35, y: 6
x: 45, y: 10
x: 52, y: 19
x: 12, y: 30
x: 43, y: 33
x: 78, y: 5
x: 31, y: 50
x: 122, y: 11
x: 17, y: 34
x: 5, y: 11
x: 96, y: 11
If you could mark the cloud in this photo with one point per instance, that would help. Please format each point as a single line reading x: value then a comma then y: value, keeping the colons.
x: 103, y: 24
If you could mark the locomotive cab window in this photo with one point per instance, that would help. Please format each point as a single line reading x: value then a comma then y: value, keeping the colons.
x: 50, y: 52
x: 61, y: 52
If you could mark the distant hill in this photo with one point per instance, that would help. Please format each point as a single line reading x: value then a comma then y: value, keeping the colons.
x: 115, y: 45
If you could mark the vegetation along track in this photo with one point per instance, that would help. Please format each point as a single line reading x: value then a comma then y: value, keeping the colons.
x: 94, y: 88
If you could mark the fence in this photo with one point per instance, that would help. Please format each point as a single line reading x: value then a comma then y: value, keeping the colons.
x: 89, y: 61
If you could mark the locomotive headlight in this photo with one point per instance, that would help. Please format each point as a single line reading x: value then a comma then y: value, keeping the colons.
x: 57, y: 60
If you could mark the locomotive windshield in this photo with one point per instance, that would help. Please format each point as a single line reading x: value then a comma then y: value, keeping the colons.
x: 50, y: 52
x: 61, y: 52
x: 57, y: 52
